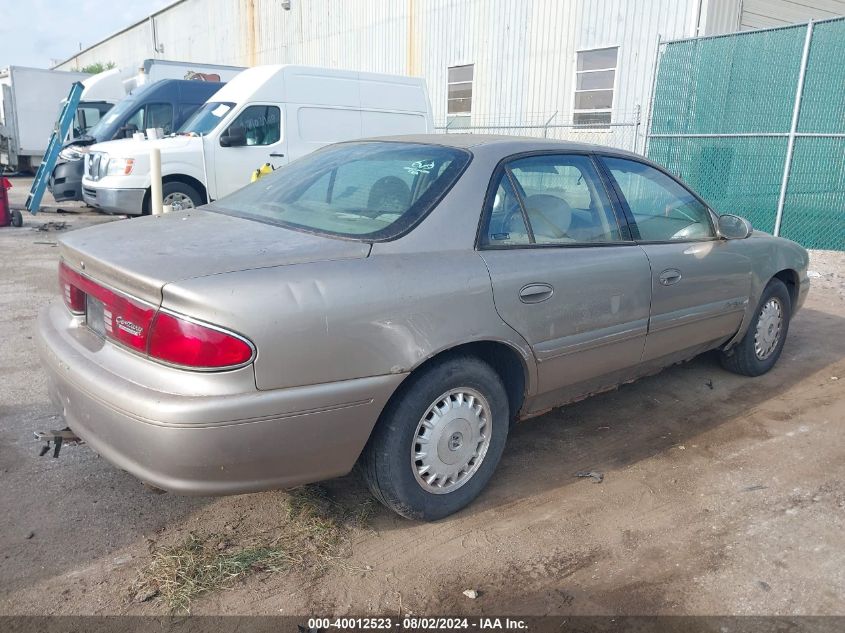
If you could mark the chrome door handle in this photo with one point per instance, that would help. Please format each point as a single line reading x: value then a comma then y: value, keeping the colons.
x: 670, y: 276
x: 535, y: 293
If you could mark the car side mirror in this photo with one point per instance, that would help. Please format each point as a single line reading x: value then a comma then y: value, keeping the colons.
x: 733, y: 227
x: 235, y: 136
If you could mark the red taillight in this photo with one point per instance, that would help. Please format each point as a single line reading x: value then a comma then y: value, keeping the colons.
x: 71, y: 292
x: 124, y: 320
x: 73, y: 296
x: 190, y: 344
x: 160, y: 335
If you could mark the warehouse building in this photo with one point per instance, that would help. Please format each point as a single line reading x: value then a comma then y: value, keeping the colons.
x: 529, y: 67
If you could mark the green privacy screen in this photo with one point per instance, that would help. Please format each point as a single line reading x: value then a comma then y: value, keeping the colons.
x: 722, y: 116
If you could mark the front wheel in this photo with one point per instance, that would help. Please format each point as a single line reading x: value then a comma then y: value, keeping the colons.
x: 179, y: 195
x: 760, y: 348
x: 438, y: 442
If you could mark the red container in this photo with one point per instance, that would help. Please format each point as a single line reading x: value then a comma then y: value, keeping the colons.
x: 7, y: 216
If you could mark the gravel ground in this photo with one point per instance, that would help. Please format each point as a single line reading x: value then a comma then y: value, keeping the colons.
x: 722, y: 494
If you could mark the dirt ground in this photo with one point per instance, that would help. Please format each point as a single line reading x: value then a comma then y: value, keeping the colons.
x: 722, y: 495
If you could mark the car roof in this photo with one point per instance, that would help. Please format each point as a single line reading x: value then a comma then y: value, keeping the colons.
x: 512, y: 144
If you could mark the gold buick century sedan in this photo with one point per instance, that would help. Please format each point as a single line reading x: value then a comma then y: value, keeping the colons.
x: 398, y: 303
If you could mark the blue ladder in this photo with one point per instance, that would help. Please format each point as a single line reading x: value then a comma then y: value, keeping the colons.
x: 45, y: 169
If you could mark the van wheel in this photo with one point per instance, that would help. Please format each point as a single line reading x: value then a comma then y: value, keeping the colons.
x: 760, y: 348
x: 439, y: 440
x: 179, y: 194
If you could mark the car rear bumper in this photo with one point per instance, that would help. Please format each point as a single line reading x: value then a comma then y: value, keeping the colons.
x: 128, y: 201
x: 206, y: 444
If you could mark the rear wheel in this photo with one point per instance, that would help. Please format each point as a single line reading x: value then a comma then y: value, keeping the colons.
x: 760, y: 348
x: 439, y: 441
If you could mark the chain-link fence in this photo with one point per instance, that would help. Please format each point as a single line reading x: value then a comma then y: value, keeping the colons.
x: 624, y: 131
x: 755, y: 122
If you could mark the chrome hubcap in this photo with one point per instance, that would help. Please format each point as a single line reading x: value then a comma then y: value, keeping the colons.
x: 769, y: 324
x: 178, y: 201
x: 451, y: 440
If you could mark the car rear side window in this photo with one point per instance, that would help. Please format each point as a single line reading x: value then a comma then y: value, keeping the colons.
x: 664, y: 210
x: 506, y: 226
x: 364, y: 190
x: 560, y: 196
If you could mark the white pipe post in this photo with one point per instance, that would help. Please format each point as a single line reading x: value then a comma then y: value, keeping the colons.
x: 790, y: 145
x: 155, y: 181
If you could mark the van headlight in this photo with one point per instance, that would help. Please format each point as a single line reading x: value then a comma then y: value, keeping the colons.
x: 120, y: 166
x: 73, y: 153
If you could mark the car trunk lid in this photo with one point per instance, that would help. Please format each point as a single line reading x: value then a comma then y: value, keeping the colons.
x: 139, y: 256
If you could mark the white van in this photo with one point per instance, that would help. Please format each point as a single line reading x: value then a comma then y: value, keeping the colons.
x: 266, y: 114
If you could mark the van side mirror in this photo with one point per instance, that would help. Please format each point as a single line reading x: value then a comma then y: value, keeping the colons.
x: 235, y: 136
x: 733, y: 227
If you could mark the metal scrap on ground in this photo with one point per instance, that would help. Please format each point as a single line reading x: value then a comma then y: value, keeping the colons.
x: 596, y: 476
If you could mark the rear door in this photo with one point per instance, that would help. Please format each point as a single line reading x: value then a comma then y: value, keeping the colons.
x: 700, y: 283
x: 565, y: 273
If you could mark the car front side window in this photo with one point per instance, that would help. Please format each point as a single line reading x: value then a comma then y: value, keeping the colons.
x: 664, y: 210
x: 160, y: 115
x: 261, y: 124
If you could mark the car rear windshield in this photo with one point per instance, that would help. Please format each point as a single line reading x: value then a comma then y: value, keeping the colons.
x: 371, y: 191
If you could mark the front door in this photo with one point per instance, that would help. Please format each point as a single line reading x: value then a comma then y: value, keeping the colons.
x: 252, y: 139
x: 565, y: 274
x: 700, y: 283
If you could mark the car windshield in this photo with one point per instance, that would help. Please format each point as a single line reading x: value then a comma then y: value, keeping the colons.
x: 206, y: 118
x: 364, y: 190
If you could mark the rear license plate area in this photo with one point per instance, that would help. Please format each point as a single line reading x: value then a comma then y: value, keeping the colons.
x: 95, y: 315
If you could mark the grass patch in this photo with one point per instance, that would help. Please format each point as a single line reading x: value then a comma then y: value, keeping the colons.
x: 312, y: 535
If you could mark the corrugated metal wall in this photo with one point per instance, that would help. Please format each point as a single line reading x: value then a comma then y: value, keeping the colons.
x: 760, y: 14
x: 524, y: 52
x: 719, y: 16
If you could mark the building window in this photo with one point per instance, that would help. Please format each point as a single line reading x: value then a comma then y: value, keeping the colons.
x: 595, y: 74
x: 459, y: 102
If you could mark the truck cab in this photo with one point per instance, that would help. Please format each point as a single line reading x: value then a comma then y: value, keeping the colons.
x: 165, y: 104
x: 266, y: 115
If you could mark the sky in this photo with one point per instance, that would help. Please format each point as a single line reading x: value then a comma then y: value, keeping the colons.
x: 40, y: 33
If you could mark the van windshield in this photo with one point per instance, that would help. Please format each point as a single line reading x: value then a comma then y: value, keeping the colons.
x: 206, y: 118
x: 105, y: 128
x: 370, y: 191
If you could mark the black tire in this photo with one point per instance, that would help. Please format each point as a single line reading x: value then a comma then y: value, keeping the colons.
x: 743, y: 357
x: 386, y: 461
x: 176, y: 186
x: 17, y: 218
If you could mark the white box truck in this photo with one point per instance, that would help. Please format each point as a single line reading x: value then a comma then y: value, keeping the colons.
x: 267, y: 114
x: 30, y: 102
